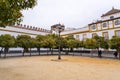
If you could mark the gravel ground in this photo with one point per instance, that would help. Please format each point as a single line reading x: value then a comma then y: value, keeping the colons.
x: 49, y: 68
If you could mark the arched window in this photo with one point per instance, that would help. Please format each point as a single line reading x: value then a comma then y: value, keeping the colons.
x: 77, y: 37
x: 84, y: 37
x: 104, y: 24
x: 117, y: 33
x: 111, y: 17
x: 117, y: 22
x: 105, y: 35
x: 93, y: 26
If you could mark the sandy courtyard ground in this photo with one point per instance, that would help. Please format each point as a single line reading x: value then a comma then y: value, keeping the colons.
x: 70, y: 68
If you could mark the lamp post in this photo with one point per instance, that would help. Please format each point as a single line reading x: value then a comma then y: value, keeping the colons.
x: 58, y: 28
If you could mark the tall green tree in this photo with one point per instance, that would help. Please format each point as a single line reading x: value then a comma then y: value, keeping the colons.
x: 70, y: 43
x: 51, y: 41
x: 78, y: 44
x: 115, y: 44
x: 7, y: 41
x: 90, y: 44
x: 10, y: 11
x: 39, y: 42
x: 32, y: 44
x: 24, y: 42
x: 101, y: 42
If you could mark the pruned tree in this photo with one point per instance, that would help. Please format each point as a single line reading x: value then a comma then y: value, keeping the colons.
x: 51, y: 41
x: 90, y: 44
x: 70, y: 43
x: 32, y: 44
x: 39, y: 42
x: 7, y: 41
x: 115, y: 44
x: 101, y: 42
x: 24, y: 42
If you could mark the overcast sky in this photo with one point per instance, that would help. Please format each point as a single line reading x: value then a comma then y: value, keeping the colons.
x: 71, y: 13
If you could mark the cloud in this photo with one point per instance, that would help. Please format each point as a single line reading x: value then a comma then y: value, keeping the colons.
x: 72, y: 13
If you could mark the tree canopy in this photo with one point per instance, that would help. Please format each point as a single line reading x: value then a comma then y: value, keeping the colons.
x: 6, y: 41
x: 115, y: 44
x: 10, y: 11
x: 90, y: 43
x: 51, y: 40
x: 101, y: 42
x: 24, y: 41
x: 39, y: 41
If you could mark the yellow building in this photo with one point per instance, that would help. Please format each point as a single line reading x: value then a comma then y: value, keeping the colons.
x: 108, y: 26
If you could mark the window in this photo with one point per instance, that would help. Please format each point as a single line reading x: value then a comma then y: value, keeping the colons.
x: 111, y: 17
x: 84, y: 37
x: 93, y: 26
x: 94, y: 34
x: 117, y: 22
x: 104, y: 25
x: 105, y: 35
x: 77, y: 37
x: 117, y: 33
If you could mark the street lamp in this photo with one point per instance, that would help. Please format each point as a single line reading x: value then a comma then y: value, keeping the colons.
x: 58, y: 28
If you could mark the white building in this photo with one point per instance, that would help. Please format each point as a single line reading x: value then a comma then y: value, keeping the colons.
x: 108, y: 26
x: 23, y: 30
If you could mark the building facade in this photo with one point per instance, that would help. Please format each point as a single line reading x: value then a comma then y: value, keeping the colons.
x: 23, y: 30
x: 107, y: 27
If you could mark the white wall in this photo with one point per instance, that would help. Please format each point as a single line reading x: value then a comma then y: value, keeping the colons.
x: 75, y: 31
x: 108, y: 17
x: 14, y: 31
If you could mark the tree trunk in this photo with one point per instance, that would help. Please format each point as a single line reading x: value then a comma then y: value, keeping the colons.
x: 81, y: 52
x: 1, y: 52
x: 39, y: 51
x: 5, y: 54
x: 47, y: 51
x: 51, y: 51
x: 30, y: 51
x: 118, y: 50
x: 23, y: 52
x: 72, y: 49
x: 91, y: 51
x: 119, y: 54
x: 67, y: 51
